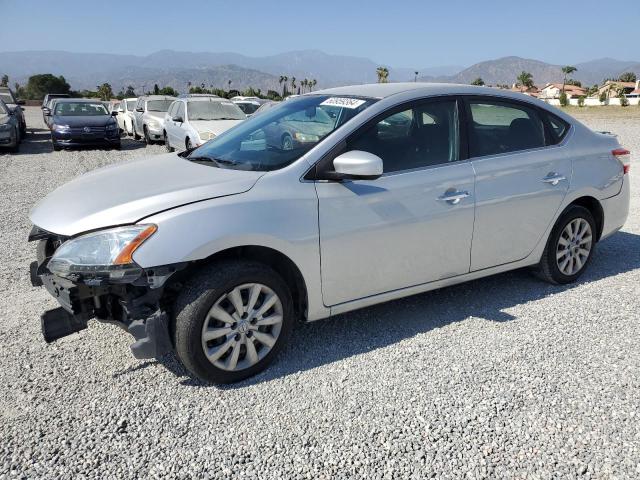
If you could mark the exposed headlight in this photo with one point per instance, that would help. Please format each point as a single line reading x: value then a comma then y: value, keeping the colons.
x: 306, y: 137
x: 106, y: 254
x: 61, y: 128
x: 204, y: 136
x: 4, y: 127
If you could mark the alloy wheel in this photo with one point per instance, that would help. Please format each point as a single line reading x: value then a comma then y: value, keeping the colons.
x: 242, y: 327
x: 574, y: 246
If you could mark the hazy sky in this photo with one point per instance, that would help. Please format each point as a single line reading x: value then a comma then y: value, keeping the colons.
x: 400, y: 33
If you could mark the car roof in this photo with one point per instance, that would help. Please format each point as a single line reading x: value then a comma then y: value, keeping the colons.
x: 77, y: 100
x: 384, y: 90
x: 203, y: 99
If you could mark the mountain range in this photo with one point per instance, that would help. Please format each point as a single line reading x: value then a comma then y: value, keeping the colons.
x: 176, y: 69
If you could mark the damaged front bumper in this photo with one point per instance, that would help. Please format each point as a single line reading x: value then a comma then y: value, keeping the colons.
x: 139, y: 307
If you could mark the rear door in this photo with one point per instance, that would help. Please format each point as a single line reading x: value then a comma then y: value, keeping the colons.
x: 521, y: 179
x: 412, y: 225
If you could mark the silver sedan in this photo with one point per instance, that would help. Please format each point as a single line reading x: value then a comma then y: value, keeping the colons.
x: 405, y: 188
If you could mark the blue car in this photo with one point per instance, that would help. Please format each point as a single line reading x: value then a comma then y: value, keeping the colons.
x: 79, y: 123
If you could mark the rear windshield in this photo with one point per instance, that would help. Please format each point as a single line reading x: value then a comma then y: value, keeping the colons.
x: 158, y: 105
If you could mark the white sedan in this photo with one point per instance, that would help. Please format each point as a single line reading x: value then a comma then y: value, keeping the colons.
x: 192, y: 121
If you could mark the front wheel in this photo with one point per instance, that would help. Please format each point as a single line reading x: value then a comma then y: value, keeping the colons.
x: 147, y: 138
x: 231, y: 320
x: 167, y: 145
x: 135, y: 132
x: 570, y: 246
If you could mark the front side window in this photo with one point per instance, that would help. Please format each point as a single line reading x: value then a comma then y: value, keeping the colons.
x: 499, y: 127
x: 280, y: 135
x: 80, y: 109
x: 131, y: 105
x: 158, y: 105
x: 214, y: 110
x: 3, y: 109
x: 248, y: 108
x: 423, y: 135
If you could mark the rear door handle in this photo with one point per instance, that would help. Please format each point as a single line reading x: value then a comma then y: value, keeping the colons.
x: 453, y: 198
x: 553, y: 178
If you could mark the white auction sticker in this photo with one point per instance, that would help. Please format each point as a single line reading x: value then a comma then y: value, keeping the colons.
x: 343, y: 102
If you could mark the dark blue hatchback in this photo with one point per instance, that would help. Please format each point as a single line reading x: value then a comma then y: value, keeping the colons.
x: 80, y: 122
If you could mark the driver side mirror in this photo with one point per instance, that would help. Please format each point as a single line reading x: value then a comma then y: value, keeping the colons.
x: 140, y: 109
x: 114, y: 113
x: 357, y: 165
x: 46, y: 111
x: 178, y: 119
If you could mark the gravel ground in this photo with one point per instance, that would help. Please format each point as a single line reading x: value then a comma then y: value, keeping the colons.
x: 505, y: 377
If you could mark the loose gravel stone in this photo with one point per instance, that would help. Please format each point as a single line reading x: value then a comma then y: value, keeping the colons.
x: 504, y: 377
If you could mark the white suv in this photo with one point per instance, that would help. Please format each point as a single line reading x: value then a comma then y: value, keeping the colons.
x: 149, y: 117
x: 194, y: 120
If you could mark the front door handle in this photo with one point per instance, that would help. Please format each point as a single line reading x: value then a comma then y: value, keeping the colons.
x: 553, y: 178
x: 453, y: 197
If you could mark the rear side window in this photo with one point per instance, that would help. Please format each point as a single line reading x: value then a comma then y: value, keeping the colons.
x: 497, y: 127
x: 558, y: 127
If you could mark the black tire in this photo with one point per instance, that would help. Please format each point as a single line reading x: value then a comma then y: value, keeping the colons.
x: 548, y: 268
x: 56, y: 148
x: 187, y: 144
x: 16, y: 147
x: 135, y: 132
x: 145, y: 132
x: 197, y: 297
x: 287, y: 142
x: 167, y: 146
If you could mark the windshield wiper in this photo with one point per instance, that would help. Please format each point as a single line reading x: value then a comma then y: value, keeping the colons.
x: 218, y: 162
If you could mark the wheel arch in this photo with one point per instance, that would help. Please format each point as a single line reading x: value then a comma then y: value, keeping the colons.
x: 595, y: 207
x: 275, y: 259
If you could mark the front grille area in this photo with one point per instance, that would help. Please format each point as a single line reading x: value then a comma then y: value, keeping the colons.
x: 81, y: 130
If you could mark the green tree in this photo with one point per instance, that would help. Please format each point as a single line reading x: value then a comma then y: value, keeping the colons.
x: 39, y: 85
x: 293, y: 84
x: 283, y: 81
x: 567, y: 70
x: 478, y: 81
x: 564, y: 100
x: 129, y: 92
x: 602, y: 97
x: 156, y: 89
x: 383, y: 74
x: 627, y: 77
x: 4, y: 82
x: 105, y: 92
x: 581, y: 100
x: 525, y: 79
x: 576, y: 83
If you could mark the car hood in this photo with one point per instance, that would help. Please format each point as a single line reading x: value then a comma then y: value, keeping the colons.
x: 214, y: 126
x: 125, y: 193
x: 157, y: 115
x: 80, y: 121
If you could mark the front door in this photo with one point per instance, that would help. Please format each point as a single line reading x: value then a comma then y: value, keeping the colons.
x: 521, y: 180
x: 412, y: 225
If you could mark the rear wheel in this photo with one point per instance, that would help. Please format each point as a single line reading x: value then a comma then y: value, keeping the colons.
x: 231, y: 320
x: 570, y: 246
x: 15, y: 148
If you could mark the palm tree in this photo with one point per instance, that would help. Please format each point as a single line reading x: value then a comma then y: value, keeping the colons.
x: 229, y: 85
x: 525, y: 79
x: 283, y: 80
x: 312, y: 84
x: 567, y: 70
x: 415, y: 78
x: 383, y: 74
x: 293, y: 84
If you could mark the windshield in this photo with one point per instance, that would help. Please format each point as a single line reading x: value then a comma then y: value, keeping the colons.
x: 158, y: 105
x: 6, y: 97
x: 214, y: 110
x: 248, y: 108
x: 281, y: 135
x: 131, y: 105
x: 80, y: 109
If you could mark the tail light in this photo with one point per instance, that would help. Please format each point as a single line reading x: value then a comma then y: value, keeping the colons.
x: 624, y: 156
